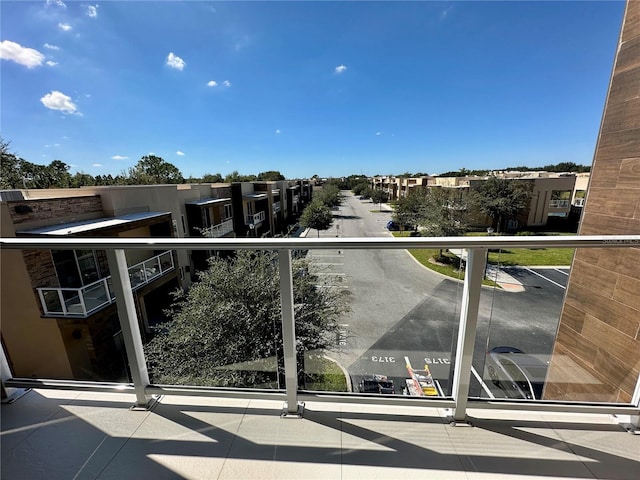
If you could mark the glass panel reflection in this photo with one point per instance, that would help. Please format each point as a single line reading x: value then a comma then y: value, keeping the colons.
x: 398, y: 332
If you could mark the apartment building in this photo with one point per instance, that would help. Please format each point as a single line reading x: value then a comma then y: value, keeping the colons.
x: 59, y: 318
x: 556, y: 198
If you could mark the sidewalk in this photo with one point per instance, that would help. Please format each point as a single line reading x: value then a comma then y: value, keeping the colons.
x: 498, y: 275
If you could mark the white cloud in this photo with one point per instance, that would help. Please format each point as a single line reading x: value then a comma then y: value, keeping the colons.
x: 64, y: 26
x: 378, y: 134
x: 212, y: 83
x: 179, y: 153
x: 340, y: 69
x: 57, y: 3
x: 51, y: 47
x: 92, y: 11
x: 96, y: 165
x: 445, y: 13
x: 226, y: 83
x: 15, y: 52
x: 277, y: 131
x: 51, y: 63
x: 175, y: 62
x: 119, y: 157
x: 59, y: 101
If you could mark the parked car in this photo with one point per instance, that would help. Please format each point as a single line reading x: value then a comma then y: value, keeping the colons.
x: 518, y: 374
x: 393, y: 226
x: 377, y: 384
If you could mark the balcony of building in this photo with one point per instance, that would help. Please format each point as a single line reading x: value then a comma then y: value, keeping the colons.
x: 263, y: 431
x: 559, y: 203
x: 84, y: 301
x: 222, y: 229
x: 255, y: 219
x: 63, y: 434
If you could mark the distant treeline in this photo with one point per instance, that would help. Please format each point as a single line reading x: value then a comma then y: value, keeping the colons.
x: 16, y: 172
x: 560, y: 167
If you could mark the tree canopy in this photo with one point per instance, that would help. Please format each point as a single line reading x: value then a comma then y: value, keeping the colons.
x: 316, y: 215
x: 151, y: 170
x: 378, y: 196
x: 500, y: 199
x: 328, y: 195
x: 271, y: 175
x: 438, y: 212
x: 226, y: 331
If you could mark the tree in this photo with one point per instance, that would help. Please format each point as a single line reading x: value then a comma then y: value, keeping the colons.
x: 10, y: 175
x: 236, y: 177
x: 378, y: 196
x: 316, y: 215
x: 226, y: 331
x: 153, y: 170
x: 271, y: 175
x: 209, y: 178
x: 329, y: 195
x: 436, y: 212
x: 360, y: 188
x: 501, y: 199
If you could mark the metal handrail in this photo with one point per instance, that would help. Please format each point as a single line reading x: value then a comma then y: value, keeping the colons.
x: 573, y: 241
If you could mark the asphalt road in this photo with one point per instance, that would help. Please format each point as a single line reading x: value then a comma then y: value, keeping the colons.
x: 400, y: 308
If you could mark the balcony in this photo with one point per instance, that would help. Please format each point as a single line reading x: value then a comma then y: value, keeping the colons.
x: 199, y: 432
x: 255, y: 219
x: 82, y: 302
x: 579, y: 202
x: 220, y: 230
x: 559, y: 203
x: 74, y: 434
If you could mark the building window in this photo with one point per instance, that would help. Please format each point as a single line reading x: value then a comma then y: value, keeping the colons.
x: 228, y: 213
x: 78, y: 268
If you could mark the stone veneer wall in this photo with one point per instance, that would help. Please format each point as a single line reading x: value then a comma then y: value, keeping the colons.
x: 49, y: 211
x: 597, y: 350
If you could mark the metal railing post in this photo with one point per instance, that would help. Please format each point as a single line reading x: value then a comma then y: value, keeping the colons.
x: 288, y: 332
x: 476, y: 261
x: 129, y: 324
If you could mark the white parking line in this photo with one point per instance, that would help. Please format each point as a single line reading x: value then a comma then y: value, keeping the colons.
x: 484, y: 385
x: 320, y: 264
x: 547, y: 279
x: 564, y: 272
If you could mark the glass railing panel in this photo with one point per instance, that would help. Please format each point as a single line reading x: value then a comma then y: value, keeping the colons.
x: 151, y: 268
x: 225, y: 330
x: 518, y: 322
x: 388, y: 323
x: 557, y: 329
x: 70, y: 347
x: 137, y: 275
x: 166, y: 261
x: 73, y: 302
x: 52, y: 302
x: 95, y: 295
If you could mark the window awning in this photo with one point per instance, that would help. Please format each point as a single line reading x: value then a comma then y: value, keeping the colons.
x: 208, y: 201
x: 255, y: 196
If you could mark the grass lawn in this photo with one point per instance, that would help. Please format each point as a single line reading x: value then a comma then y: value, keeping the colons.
x: 324, y: 375
x: 425, y: 256
x: 531, y: 256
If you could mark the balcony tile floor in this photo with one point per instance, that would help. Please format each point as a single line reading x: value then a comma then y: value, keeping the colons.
x: 53, y: 434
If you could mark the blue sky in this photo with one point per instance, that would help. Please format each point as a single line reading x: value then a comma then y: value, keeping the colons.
x: 327, y: 88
